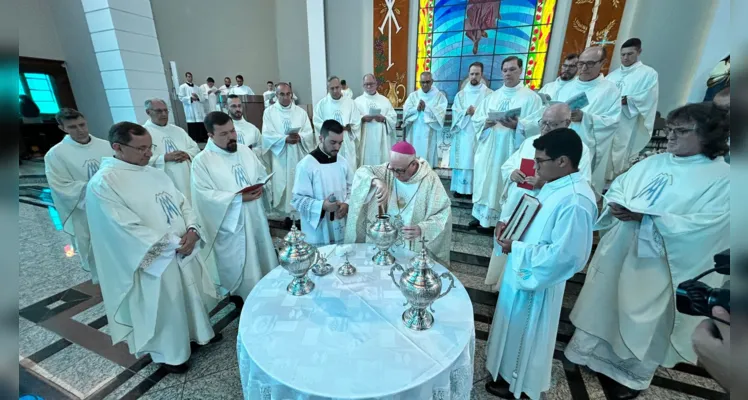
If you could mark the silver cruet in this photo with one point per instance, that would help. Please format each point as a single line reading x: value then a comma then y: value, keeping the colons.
x: 421, y: 286
x: 296, y: 257
x: 384, y: 235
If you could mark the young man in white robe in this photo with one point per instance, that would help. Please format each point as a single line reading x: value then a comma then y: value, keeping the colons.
x: 664, y: 219
x: 285, y: 148
x: 496, y: 140
x: 156, y: 290
x: 268, y: 96
x: 568, y: 73
x: 322, y: 188
x: 555, y: 246
x: 247, y: 133
x: 347, y: 92
x: 462, y: 151
x: 639, y: 87
x: 69, y: 165
x: 596, y: 123
x: 173, y: 148
x: 226, y: 88
x: 423, y: 119
x: 377, y: 131
x: 210, y: 95
x: 192, y: 100
x: 412, y: 194
x: 555, y: 116
x: 342, y: 109
x: 237, y: 234
x: 241, y: 89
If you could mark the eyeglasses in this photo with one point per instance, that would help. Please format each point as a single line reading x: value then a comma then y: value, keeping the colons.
x: 539, y: 161
x: 588, y: 64
x: 569, y: 66
x: 141, y: 150
x: 679, y: 131
x: 399, y: 171
x: 547, y: 124
x: 426, y: 82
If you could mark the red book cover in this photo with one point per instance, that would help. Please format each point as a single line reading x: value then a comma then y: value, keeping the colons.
x: 527, y: 166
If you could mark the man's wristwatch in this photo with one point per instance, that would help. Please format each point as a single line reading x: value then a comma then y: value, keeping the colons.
x: 192, y: 229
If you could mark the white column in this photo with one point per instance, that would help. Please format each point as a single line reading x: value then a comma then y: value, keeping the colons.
x: 129, y: 58
x: 315, y: 10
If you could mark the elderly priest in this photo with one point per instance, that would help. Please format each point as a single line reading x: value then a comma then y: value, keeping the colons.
x: 340, y: 108
x: 173, y: 149
x: 555, y: 246
x: 68, y: 166
x: 156, y: 291
x: 411, y: 193
x: 236, y: 228
x: 423, y: 118
x: 377, y: 129
x: 664, y: 220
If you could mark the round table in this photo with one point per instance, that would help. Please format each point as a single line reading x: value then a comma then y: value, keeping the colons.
x: 346, y: 339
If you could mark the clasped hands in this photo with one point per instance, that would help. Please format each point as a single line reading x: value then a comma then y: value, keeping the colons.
x: 369, y: 118
x: 176, y: 156
x: 188, y: 242
x: 335, y: 207
x: 421, y: 105
x: 624, y: 214
x: 510, y: 123
x: 520, y: 177
x: 293, y: 138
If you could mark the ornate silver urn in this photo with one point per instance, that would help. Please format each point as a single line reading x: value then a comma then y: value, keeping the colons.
x: 384, y: 235
x: 421, y: 286
x: 296, y: 257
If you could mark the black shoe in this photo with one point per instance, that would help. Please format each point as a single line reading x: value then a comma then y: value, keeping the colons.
x: 457, y: 195
x: 501, y: 388
x: 237, y: 300
x: 474, y: 223
x: 176, y: 369
x: 617, y: 391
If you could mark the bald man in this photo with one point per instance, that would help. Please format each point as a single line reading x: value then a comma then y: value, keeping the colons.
x: 411, y: 194
x: 423, y: 117
x: 555, y: 116
x: 597, y: 122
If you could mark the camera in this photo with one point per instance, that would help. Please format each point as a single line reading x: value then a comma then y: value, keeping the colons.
x: 697, y: 298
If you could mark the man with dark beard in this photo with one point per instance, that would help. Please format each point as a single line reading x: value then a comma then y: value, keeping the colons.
x: 568, y: 72
x: 238, y: 238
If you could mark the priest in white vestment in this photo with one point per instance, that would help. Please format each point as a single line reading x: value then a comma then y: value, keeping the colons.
x: 268, y: 96
x: 423, y: 119
x: 497, y: 139
x: 639, y: 87
x: 210, y: 95
x: 226, y: 88
x: 322, y: 188
x: 342, y: 109
x: 237, y: 234
x: 284, y: 147
x: 555, y: 246
x: 173, y: 149
x: 664, y: 219
x: 69, y: 165
x: 192, y: 100
x: 462, y: 151
x: 347, y: 92
x: 556, y: 116
x: 377, y: 130
x: 241, y: 89
x: 157, y: 292
x: 247, y: 134
x: 413, y: 196
x: 596, y: 123
x: 568, y: 73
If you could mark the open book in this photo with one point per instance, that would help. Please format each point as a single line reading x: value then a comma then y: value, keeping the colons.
x: 578, y: 102
x: 521, y: 218
x: 497, y: 115
x: 257, y: 185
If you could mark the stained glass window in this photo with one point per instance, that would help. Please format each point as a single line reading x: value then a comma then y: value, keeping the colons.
x: 42, y: 92
x: 452, y: 34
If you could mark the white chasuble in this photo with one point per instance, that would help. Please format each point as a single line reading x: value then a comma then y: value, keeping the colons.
x: 155, y: 299
x: 377, y: 138
x: 626, y: 320
x: 344, y: 111
x: 247, y: 134
x: 420, y: 201
x: 69, y: 166
x: 237, y: 235
x: 277, y: 122
x: 512, y: 195
x: 493, y: 146
x: 242, y: 90
x: 167, y: 139
x: 210, y: 98
x: 640, y: 84
x: 556, y: 245
x: 194, y: 110
x: 599, y: 123
x: 317, y: 178
x: 552, y: 88
x: 462, y: 151
x: 424, y: 128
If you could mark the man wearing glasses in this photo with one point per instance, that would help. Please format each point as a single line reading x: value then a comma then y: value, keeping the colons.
x: 378, y: 121
x: 556, y: 116
x: 156, y: 290
x: 423, y: 118
x: 598, y: 121
x: 173, y: 149
x: 568, y: 72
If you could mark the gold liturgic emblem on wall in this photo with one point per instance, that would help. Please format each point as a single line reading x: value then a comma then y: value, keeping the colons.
x: 394, y: 90
x: 579, y: 26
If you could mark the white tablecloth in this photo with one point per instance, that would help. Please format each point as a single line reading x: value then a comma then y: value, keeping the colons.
x: 346, y: 339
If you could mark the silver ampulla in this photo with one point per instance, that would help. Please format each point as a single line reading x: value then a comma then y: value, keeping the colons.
x: 384, y: 235
x: 296, y: 257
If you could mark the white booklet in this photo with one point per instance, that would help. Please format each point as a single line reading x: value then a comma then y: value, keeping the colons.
x: 521, y: 218
x: 375, y: 111
x: 497, y: 115
x: 578, y: 102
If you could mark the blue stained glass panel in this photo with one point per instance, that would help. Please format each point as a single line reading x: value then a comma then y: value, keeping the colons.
x: 38, y: 84
x: 21, y: 90
x: 447, y: 68
x: 450, y: 88
x: 450, y: 18
x: 497, y: 84
x: 513, y: 40
x: 485, y: 45
x: 441, y: 3
x: 447, y: 44
x: 517, y: 13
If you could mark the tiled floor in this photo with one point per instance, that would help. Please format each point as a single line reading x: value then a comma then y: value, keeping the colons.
x: 65, y: 351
